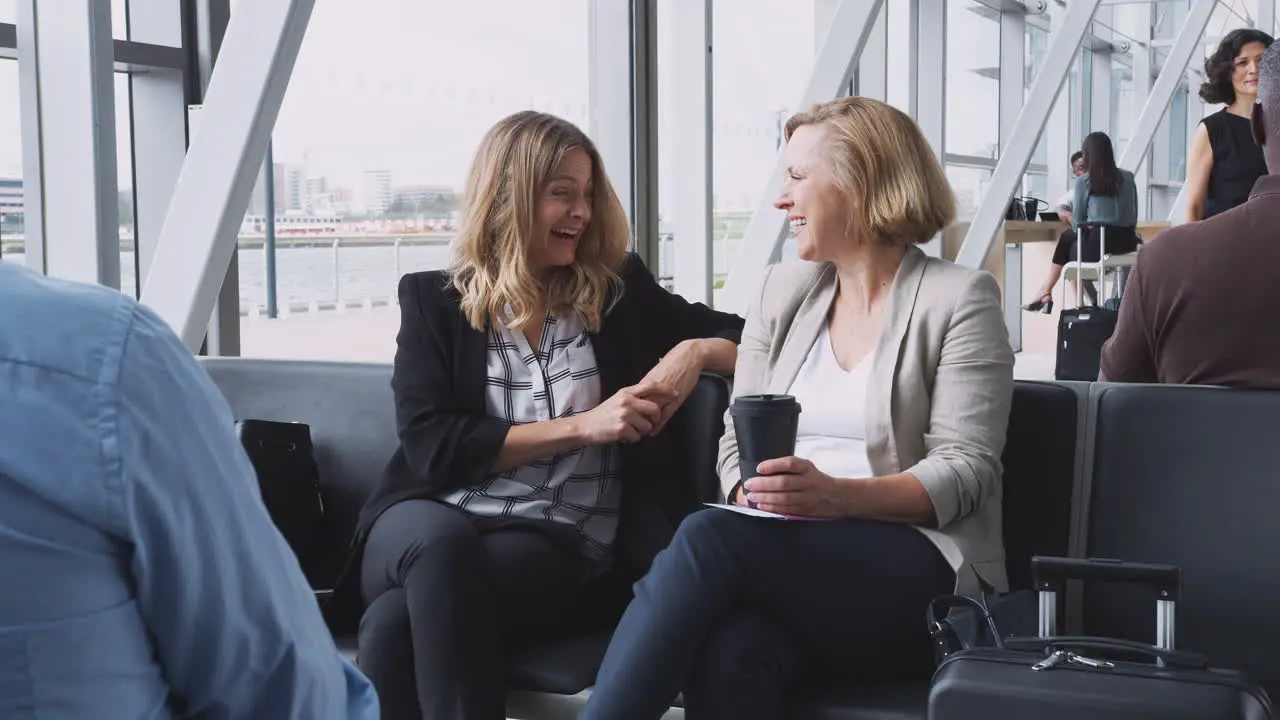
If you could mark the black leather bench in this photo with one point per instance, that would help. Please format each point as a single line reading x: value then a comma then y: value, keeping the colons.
x: 349, y: 409
x: 1189, y: 476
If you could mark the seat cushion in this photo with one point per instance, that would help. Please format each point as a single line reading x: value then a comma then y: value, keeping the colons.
x: 563, y: 667
x: 1187, y: 476
x: 347, y: 645
x: 1039, y: 476
x: 351, y: 412
x: 905, y: 700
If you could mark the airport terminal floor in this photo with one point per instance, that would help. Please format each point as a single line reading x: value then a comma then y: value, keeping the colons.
x: 620, y: 359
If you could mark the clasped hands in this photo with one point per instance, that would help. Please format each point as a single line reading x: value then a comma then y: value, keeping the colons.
x: 643, y: 409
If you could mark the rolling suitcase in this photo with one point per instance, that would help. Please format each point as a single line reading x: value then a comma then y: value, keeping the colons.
x: 1082, y: 331
x: 1053, y: 677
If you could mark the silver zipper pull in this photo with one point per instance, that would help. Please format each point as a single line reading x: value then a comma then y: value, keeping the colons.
x: 1057, y: 657
x: 1072, y: 657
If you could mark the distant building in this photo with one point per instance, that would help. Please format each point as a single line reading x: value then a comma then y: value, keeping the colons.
x: 11, y: 196
x: 375, y: 191
x: 437, y: 201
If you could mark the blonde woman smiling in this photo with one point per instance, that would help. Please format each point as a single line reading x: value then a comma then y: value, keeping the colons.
x: 532, y: 380
x: 902, y: 366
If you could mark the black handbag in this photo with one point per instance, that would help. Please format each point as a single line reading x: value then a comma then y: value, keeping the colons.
x: 957, y: 622
x: 289, y: 480
x: 1053, y: 677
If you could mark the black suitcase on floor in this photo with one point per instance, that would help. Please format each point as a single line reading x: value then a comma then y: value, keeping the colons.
x: 1066, y: 678
x: 1082, y: 331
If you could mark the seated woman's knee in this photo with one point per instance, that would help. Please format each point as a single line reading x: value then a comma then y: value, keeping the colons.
x: 427, y: 528
x: 705, y: 528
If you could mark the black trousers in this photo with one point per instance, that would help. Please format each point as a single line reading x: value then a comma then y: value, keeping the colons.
x: 736, y: 606
x: 1120, y: 240
x: 448, y: 595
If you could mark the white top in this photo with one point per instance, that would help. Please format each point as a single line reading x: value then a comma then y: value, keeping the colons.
x: 1066, y: 199
x: 832, y: 432
x: 579, y: 487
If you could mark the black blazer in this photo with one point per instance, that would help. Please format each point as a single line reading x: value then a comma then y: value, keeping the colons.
x: 447, y: 440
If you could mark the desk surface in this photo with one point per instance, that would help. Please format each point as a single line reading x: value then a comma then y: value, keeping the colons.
x: 1018, y: 232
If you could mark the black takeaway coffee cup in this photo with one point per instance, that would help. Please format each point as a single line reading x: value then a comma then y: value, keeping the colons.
x: 765, y: 426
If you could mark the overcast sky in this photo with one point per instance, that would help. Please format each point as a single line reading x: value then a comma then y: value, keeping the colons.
x: 409, y: 86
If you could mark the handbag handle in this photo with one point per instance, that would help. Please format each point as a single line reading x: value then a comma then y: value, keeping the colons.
x: 942, y: 606
x: 1164, y: 658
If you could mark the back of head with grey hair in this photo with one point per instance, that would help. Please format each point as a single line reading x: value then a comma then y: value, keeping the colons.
x: 1266, y: 114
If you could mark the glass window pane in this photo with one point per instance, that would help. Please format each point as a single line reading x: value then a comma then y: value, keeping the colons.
x: 119, y: 24
x: 756, y: 81
x: 973, y: 80
x: 11, y: 196
x: 384, y: 111
x: 969, y: 185
x: 124, y: 186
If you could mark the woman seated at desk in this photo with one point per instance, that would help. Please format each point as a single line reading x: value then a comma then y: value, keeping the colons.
x: 1104, y: 195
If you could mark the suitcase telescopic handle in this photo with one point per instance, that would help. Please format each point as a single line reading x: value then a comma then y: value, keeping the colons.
x: 1049, y: 575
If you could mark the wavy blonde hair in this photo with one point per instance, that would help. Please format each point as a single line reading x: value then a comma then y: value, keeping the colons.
x: 882, y: 161
x: 490, y: 266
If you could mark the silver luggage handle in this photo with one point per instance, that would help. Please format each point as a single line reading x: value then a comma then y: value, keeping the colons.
x: 1102, y: 253
x: 1049, y: 576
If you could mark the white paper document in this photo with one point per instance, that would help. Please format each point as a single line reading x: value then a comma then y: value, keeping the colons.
x: 748, y: 511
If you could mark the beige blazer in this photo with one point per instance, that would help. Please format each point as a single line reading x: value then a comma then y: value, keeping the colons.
x: 937, y: 400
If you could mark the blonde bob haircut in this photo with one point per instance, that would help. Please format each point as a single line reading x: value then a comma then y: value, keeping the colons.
x: 500, y: 206
x: 883, y: 164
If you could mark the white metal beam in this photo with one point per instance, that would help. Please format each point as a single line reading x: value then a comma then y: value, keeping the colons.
x: 211, y: 18
x: 831, y: 71
x: 1013, y: 43
x: 1100, y: 73
x: 872, y: 75
x: 159, y: 126
x: 69, y: 134
x: 1135, y: 21
x: 691, y: 115
x: 928, y: 80
x: 1180, y: 55
x: 212, y: 193
x: 1026, y: 131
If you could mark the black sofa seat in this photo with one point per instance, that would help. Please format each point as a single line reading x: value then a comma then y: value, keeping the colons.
x: 349, y: 408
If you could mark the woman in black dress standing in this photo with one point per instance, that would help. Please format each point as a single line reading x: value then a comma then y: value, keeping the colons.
x: 1224, y: 161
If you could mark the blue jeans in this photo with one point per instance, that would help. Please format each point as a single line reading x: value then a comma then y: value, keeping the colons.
x: 736, y: 605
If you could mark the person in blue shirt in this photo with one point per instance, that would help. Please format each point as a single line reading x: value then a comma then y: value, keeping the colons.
x: 140, y: 575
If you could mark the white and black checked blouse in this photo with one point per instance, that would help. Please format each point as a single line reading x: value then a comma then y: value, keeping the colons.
x: 580, y: 487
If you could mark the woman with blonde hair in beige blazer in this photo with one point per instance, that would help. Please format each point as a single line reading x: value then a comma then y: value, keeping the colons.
x: 902, y: 365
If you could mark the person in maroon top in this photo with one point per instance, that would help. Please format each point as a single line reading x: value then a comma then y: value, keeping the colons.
x: 1201, y: 306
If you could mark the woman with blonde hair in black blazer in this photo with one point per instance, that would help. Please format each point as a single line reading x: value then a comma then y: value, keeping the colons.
x: 532, y: 380
x: 902, y: 366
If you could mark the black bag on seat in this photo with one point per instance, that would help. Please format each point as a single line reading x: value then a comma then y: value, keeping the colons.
x: 1059, y: 678
x: 289, y: 479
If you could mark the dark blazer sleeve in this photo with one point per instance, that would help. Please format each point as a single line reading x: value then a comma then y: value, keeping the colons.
x: 677, y: 318
x: 447, y: 442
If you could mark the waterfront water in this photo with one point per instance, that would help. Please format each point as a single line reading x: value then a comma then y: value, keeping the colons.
x: 318, y: 277
x: 307, y: 275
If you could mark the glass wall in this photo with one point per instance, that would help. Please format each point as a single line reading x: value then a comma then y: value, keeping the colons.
x: 12, y: 238
x: 384, y: 111
x: 124, y: 175
x: 757, y: 79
